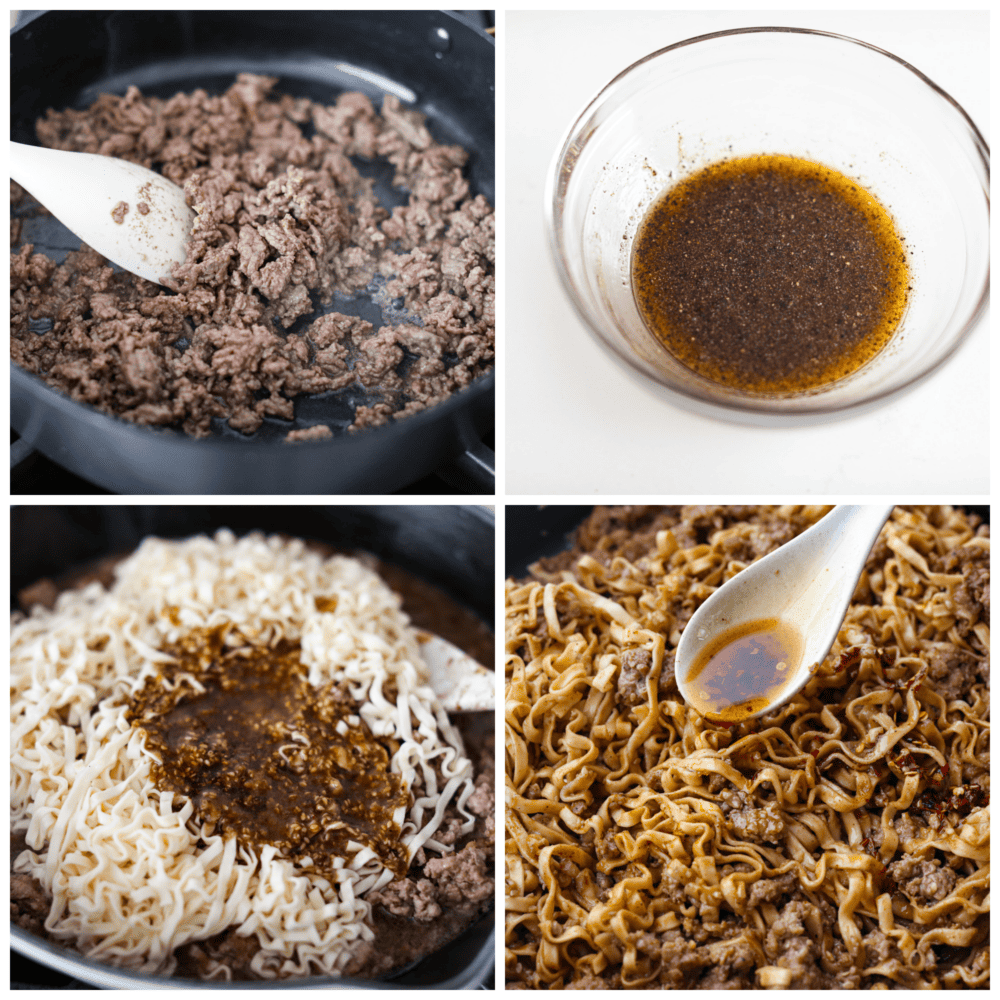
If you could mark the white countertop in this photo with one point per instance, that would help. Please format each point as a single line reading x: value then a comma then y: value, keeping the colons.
x: 576, y: 424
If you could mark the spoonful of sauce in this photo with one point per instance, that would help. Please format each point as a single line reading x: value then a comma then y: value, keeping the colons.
x: 131, y: 215
x: 757, y: 640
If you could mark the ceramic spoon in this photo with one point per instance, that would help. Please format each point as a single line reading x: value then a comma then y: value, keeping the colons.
x: 83, y: 190
x: 806, y: 584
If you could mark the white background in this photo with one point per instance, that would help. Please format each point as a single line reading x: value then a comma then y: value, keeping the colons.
x: 577, y: 424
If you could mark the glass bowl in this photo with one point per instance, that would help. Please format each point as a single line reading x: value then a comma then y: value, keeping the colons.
x: 810, y: 94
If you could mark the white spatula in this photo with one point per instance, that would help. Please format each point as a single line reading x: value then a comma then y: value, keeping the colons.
x: 101, y: 200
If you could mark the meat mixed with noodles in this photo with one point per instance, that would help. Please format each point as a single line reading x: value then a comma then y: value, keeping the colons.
x: 840, y: 841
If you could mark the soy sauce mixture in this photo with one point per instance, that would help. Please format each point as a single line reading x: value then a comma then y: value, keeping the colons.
x: 745, y: 669
x: 265, y: 756
x: 770, y: 274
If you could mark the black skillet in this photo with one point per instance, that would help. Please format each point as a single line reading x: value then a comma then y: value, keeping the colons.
x: 65, y: 59
x: 451, y: 547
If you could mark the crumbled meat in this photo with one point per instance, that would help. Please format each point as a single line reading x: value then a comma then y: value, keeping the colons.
x: 283, y: 221
x: 450, y: 829
x: 632, y: 676
x: 770, y: 890
x: 226, y: 948
x: 28, y: 905
x: 588, y: 982
x: 668, y: 681
x: 789, y: 946
x: 119, y: 212
x: 315, y: 433
x: 757, y: 825
x: 733, y: 964
x: 408, y: 898
x: 43, y: 592
x: 461, y: 877
x: 906, y: 827
x: 481, y: 800
x: 923, y: 881
x: 455, y: 880
x: 953, y: 671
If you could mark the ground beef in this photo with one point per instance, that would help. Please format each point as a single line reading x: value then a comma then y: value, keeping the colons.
x: 481, y: 800
x: 29, y: 905
x: 285, y: 221
x: 229, y: 948
x: 923, y: 881
x: 461, y: 877
x: 43, y: 592
x: 953, y: 670
x: 748, y: 823
x: 632, y: 676
x: 630, y: 531
x: 315, y: 433
x: 459, y: 882
x: 907, y: 827
x: 789, y: 946
x: 412, y: 898
x: 770, y: 890
x: 733, y: 968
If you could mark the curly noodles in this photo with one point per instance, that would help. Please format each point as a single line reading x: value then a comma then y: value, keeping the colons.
x: 840, y: 841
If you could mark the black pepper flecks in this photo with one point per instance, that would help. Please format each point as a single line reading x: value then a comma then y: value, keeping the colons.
x: 770, y: 274
x: 265, y: 756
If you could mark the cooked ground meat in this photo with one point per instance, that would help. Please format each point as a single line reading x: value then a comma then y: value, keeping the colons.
x: 285, y: 220
x: 632, y: 676
x: 922, y: 880
x: 28, y: 904
x: 630, y: 531
x: 413, y: 898
x: 458, y: 884
x: 315, y: 433
x: 770, y: 890
x: 953, y: 670
x: 461, y: 878
x: 459, y: 881
x: 748, y: 823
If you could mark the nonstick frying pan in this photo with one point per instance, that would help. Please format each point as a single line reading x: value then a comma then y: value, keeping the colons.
x: 451, y: 547
x: 431, y: 59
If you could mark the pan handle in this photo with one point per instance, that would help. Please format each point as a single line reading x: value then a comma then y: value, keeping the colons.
x: 19, y: 451
x: 472, y: 471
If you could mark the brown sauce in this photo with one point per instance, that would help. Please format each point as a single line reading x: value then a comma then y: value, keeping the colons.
x: 265, y: 756
x: 770, y: 274
x: 744, y: 670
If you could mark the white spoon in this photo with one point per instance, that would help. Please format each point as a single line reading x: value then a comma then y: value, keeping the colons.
x: 82, y: 190
x: 801, y: 592
x: 460, y: 682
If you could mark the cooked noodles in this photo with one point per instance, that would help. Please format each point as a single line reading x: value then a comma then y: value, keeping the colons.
x: 133, y: 871
x: 840, y: 841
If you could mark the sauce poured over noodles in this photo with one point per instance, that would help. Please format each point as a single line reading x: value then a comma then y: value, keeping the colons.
x: 267, y: 757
